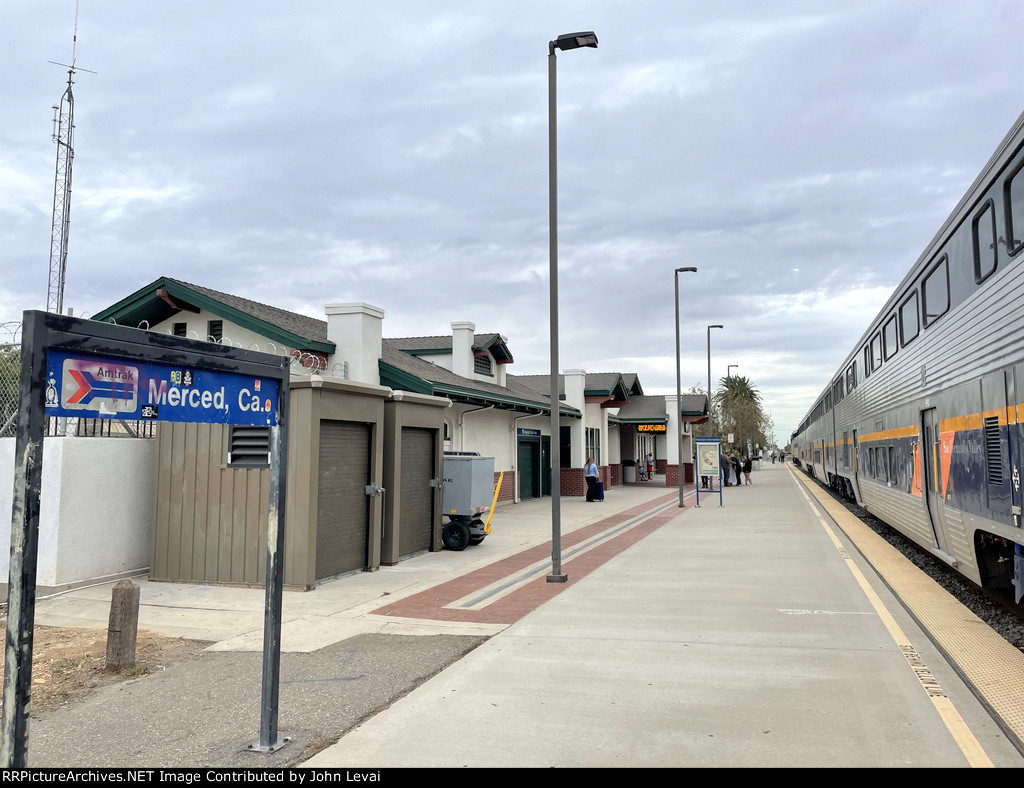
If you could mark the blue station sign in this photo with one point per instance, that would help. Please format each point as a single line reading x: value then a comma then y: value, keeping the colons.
x: 81, y: 385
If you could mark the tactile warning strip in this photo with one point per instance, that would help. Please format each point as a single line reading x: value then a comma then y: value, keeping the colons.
x: 991, y: 666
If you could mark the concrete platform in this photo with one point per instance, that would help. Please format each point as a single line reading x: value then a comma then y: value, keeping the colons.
x: 728, y: 636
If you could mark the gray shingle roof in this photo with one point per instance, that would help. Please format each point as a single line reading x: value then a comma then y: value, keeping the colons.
x: 447, y: 382
x: 308, y: 327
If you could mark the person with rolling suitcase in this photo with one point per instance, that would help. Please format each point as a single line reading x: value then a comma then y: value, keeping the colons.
x: 590, y: 475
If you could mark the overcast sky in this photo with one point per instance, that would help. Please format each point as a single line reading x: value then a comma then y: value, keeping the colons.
x: 799, y: 154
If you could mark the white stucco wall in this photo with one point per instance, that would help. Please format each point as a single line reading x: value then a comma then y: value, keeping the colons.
x: 95, y: 510
x: 235, y: 335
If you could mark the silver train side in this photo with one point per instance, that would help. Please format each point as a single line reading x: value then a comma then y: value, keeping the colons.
x: 923, y: 424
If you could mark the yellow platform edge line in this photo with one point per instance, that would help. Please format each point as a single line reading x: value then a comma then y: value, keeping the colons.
x: 993, y: 668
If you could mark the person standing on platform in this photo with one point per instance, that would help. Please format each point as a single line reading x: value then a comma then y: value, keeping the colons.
x: 650, y: 465
x: 748, y: 466
x: 590, y: 475
x: 736, y: 469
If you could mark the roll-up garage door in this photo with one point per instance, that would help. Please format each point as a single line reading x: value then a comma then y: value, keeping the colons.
x: 342, y: 504
x: 417, y: 509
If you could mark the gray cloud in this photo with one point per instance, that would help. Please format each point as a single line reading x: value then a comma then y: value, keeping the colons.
x: 801, y: 154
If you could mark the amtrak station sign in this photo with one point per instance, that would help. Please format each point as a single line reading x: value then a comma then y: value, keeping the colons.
x: 90, y: 386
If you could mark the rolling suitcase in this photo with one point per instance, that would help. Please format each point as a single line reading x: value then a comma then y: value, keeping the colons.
x: 599, y: 491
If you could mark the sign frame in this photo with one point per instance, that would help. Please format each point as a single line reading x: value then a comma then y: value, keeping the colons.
x: 709, y: 458
x: 45, y: 332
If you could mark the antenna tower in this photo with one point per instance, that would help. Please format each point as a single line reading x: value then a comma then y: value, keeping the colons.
x: 63, y: 135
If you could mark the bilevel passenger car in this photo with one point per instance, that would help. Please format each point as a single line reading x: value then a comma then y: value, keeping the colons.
x: 923, y: 425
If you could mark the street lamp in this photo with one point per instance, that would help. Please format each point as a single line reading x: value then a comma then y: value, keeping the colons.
x: 564, y: 42
x: 728, y: 371
x: 679, y: 388
x: 711, y: 408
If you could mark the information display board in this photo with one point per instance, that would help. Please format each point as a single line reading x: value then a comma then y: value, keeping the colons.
x: 709, y: 462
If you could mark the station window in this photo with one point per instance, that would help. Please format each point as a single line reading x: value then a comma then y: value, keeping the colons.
x: 985, y: 242
x: 594, y: 444
x: 890, y: 337
x: 1013, y: 196
x: 935, y: 290
x: 910, y: 319
x: 215, y: 330
x: 181, y: 329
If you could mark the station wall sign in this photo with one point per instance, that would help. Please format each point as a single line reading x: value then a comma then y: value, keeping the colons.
x: 527, y: 432
x: 652, y: 428
x: 89, y: 386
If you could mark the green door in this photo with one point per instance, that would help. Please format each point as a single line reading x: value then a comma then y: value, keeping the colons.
x: 527, y: 468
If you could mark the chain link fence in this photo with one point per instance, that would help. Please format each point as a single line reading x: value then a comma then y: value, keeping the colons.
x: 10, y: 370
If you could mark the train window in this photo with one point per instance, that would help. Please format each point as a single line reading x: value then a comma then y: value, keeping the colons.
x: 935, y: 290
x: 985, y: 242
x: 851, y: 377
x: 1013, y: 197
x: 892, y: 465
x: 910, y: 319
x: 876, y: 351
x: 867, y: 362
x: 890, y: 338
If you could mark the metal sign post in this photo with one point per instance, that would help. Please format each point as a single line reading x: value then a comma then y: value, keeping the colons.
x: 83, y: 368
x: 709, y: 462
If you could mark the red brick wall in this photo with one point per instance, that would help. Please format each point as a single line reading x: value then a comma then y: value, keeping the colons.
x: 672, y: 474
x: 616, y: 474
x: 508, y: 486
x: 573, y: 482
x: 660, y: 466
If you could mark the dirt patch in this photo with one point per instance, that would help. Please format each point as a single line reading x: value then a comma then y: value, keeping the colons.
x: 68, y: 664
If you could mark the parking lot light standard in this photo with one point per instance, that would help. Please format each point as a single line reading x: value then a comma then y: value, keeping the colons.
x: 679, y: 388
x: 564, y: 42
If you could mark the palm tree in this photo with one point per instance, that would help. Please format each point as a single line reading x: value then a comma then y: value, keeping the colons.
x: 738, y: 388
x: 739, y: 404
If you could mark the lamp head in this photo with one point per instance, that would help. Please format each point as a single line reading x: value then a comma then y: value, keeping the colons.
x: 688, y: 268
x: 568, y: 41
x: 710, y: 327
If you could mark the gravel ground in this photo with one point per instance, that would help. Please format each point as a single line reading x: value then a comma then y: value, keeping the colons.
x: 999, y: 615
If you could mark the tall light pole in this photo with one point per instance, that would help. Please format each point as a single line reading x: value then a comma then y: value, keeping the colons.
x: 564, y: 42
x: 679, y: 388
x: 711, y: 407
x: 728, y: 371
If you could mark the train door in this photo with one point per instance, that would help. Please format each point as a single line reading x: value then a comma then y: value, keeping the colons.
x: 931, y: 454
x: 856, y: 467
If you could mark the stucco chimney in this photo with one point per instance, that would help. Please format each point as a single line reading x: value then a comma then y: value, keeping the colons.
x: 356, y: 331
x: 463, y: 334
x: 575, y: 386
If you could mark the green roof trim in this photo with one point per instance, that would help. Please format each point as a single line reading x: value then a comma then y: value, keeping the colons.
x: 395, y: 378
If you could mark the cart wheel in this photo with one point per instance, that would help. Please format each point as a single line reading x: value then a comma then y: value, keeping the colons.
x: 476, y: 539
x: 455, y: 536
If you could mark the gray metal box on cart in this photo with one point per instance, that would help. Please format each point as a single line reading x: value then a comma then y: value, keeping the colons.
x: 468, y: 484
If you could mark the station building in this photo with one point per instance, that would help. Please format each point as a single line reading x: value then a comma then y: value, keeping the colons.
x: 370, y: 418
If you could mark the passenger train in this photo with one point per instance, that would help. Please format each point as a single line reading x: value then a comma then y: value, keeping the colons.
x: 923, y: 424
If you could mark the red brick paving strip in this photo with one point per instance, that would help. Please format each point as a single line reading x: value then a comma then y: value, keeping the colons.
x: 430, y: 604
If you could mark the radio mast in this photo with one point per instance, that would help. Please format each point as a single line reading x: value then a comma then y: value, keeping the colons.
x: 63, y: 135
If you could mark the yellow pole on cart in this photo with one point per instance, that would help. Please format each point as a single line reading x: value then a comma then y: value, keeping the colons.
x: 497, y: 489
